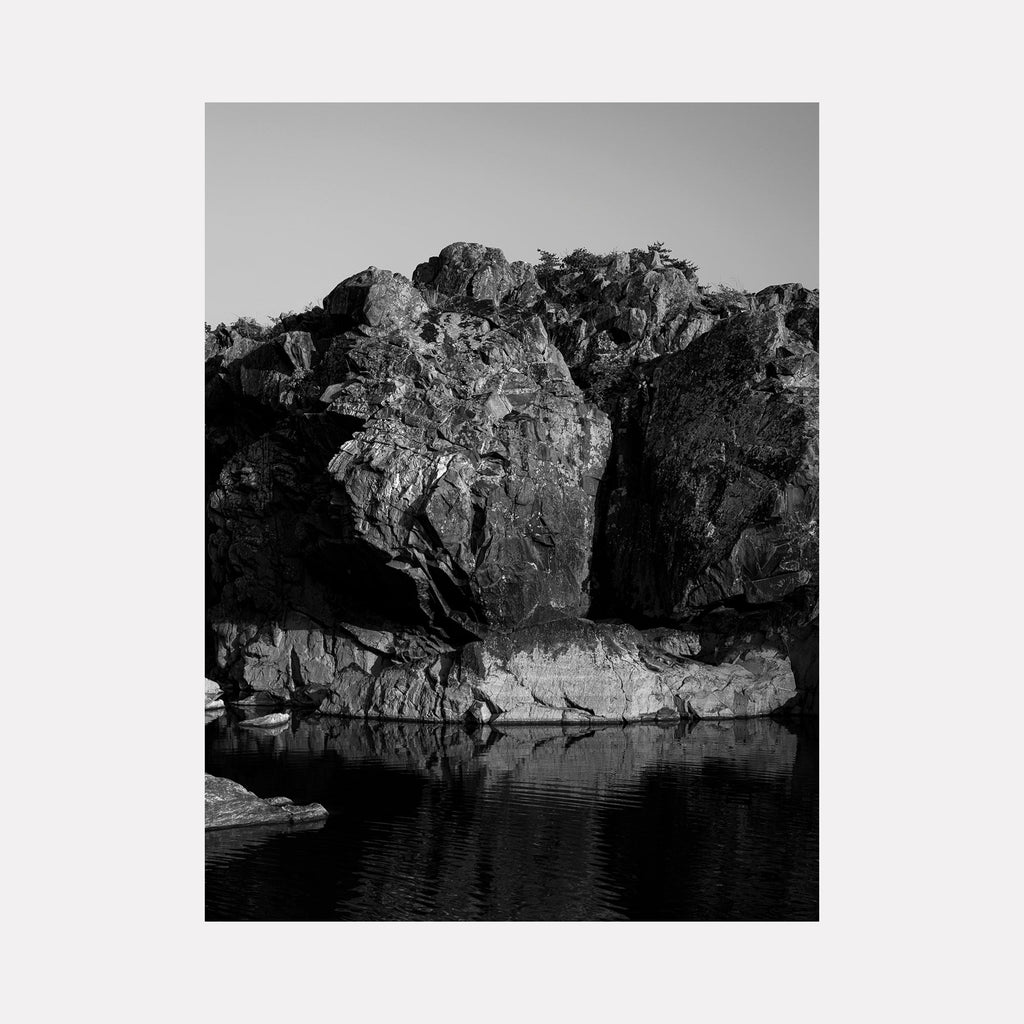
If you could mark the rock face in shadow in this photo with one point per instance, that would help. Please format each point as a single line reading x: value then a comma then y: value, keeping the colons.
x: 712, y: 493
x: 803, y: 651
x: 229, y: 805
x: 446, y: 497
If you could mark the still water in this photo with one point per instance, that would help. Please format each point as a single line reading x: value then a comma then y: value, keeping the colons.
x: 708, y: 821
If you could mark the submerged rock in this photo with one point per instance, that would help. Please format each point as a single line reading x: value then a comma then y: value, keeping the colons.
x: 229, y: 804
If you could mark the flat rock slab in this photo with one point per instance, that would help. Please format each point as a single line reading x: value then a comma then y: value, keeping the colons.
x: 229, y: 805
x: 267, y: 721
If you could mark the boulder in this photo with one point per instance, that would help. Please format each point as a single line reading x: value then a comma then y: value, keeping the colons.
x: 213, y: 695
x: 712, y: 491
x: 267, y: 721
x: 606, y: 319
x: 472, y: 480
x: 229, y: 805
x: 477, y: 272
x: 430, y: 483
x: 377, y: 298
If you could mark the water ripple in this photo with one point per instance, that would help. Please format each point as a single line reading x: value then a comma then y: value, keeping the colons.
x: 713, y: 821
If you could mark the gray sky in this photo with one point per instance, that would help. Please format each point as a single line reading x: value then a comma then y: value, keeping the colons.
x: 300, y: 196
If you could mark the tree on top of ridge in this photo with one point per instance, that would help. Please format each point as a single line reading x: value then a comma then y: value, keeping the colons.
x: 665, y: 257
x: 584, y: 259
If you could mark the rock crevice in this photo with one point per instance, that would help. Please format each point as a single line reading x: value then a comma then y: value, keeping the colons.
x: 481, y: 494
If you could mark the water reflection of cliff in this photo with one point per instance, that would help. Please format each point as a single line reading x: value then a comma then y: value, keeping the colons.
x: 711, y: 820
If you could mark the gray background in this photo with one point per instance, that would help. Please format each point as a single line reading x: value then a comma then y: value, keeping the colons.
x: 300, y: 196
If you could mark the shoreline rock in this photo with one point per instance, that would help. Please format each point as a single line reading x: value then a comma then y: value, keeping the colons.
x: 470, y: 495
x: 213, y: 696
x: 267, y: 721
x: 230, y: 805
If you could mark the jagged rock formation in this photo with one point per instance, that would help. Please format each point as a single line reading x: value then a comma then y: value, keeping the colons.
x: 468, y: 269
x: 713, y: 493
x: 377, y: 298
x: 630, y: 310
x: 419, y: 491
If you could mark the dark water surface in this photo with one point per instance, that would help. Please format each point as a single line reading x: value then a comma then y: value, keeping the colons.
x: 711, y: 821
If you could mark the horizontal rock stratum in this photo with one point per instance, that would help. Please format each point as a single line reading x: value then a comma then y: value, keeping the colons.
x: 494, y: 493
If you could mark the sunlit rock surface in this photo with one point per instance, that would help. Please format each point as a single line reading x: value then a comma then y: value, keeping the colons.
x: 467, y: 269
x: 419, y: 492
x: 213, y: 696
x: 266, y: 721
x: 229, y: 805
x: 577, y: 671
x: 572, y: 670
x: 376, y: 298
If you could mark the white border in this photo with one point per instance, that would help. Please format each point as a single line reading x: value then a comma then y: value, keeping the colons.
x: 103, y: 422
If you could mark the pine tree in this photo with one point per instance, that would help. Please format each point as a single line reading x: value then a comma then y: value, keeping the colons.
x: 664, y: 254
x: 549, y: 262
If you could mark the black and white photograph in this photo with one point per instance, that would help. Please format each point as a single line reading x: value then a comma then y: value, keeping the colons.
x: 559, y: 363
x: 512, y: 529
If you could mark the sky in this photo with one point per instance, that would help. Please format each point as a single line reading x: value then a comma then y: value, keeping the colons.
x: 301, y: 196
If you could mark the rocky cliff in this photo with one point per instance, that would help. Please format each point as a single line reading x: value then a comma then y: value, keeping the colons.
x: 485, y: 494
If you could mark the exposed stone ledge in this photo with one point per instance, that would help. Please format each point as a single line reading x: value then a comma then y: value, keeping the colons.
x: 229, y: 804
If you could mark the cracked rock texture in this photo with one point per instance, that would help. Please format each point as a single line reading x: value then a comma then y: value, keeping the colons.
x: 582, y: 671
x: 478, y: 494
x: 712, y: 494
x: 469, y: 269
x: 229, y: 805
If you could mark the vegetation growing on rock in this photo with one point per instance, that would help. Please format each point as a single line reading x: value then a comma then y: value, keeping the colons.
x: 418, y: 466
